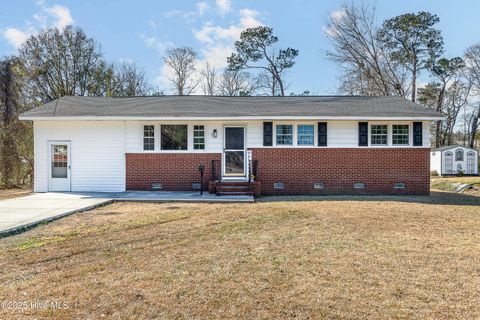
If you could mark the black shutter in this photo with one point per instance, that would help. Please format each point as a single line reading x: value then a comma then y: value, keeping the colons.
x: 417, y: 134
x: 268, y: 134
x: 322, y: 134
x: 363, y: 134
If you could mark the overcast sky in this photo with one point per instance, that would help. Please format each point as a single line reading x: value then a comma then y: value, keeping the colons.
x: 141, y: 31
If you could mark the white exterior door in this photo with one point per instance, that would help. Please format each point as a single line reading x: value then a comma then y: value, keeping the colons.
x: 59, y: 166
x: 234, y: 164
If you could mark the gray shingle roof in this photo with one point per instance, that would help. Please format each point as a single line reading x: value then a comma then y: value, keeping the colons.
x: 218, y: 106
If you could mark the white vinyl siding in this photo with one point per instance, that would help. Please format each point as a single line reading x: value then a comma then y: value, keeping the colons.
x: 97, y: 153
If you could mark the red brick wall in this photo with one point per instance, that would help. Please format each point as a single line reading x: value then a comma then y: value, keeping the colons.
x: 297, y: 168
x: 176, y: 171
x: 339, y: 168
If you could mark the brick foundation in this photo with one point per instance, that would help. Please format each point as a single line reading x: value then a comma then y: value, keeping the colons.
x: 339, y: 168
x: 175, y: 171
x: 298, y: 168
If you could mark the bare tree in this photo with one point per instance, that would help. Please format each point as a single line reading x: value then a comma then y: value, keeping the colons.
x: 60, y: 63
x: 367, y: 68
x: 237, y: 83
x: 445, y: 70
x: 209, y: 81
x: 182, y: 63
x: 129, y: 80
x: 472, y: 62
x: 456, y: 98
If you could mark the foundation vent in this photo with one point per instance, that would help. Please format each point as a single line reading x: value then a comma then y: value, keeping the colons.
x: 359, y: 185
x: 319, y: 185
x: 156, y: 186
x: 279, y: 185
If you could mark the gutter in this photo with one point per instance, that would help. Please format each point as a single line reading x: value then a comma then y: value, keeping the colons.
x: 203, y: 118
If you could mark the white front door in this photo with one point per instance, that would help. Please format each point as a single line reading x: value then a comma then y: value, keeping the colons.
x: 59, y: 166
x: 234, y: 164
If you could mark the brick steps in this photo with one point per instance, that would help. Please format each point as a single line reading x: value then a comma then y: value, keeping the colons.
x: 234, y: 188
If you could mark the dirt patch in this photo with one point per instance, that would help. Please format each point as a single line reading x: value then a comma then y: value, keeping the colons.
x: 14, y: 193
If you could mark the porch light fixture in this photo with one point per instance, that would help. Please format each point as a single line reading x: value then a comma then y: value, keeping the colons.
x: 214, y: 133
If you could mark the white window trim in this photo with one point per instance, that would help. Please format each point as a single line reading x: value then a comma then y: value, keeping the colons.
x: 204, y: 137
x: 294, y: 135
x: 389, y: 138
x: 315, y: 135
x: 154, y: 137
x: 410, y: 134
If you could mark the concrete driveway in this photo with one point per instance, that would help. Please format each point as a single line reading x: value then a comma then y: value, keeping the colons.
x: 19, y: 214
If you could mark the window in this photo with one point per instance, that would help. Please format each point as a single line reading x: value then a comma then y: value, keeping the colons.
x: 379, y: 135
x: 148, y: 138
x: 198, y: 137
x: 174, y: 137
x: 284, y: 134
x: 59, y: 161
x: 448, y: 162
x: 305, y: 135
x: 400, y: 134
x: 470, y: 162
x: 459, y: 155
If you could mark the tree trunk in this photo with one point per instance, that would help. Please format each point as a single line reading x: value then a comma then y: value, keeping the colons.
x: 474, y: 128
x: 414, y: 79
x: 8, y: 149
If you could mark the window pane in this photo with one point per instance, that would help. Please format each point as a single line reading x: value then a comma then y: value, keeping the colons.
x: 305, y: 135
x: 378, y: 134
x: 459, y: 155
x: 400, y: 134
x: 148, y: 138
x: 284, y: 134
x: 174, y: 137
x: 234, y: 138
x: 198, y: 137
x: 59, y: 161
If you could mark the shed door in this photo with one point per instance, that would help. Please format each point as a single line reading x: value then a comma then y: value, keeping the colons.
x: 59, y: 166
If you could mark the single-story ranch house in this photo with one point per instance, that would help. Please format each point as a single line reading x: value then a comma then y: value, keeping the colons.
x: 454, y: 160
x: 273, y: 145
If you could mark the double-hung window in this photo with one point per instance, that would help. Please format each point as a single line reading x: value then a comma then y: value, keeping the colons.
x: 379, y: 135
x: 149, y: 138
x: 199, y: 137
x: 400, y: 134
x: 284, y: 133
x: 305, y: 135
x: 174, y: 136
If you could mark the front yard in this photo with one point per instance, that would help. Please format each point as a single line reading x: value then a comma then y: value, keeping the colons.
x: 371, y: 257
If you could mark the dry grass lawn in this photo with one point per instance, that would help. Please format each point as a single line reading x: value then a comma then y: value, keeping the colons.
x: 14, y: 193
x: 331, y: 257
